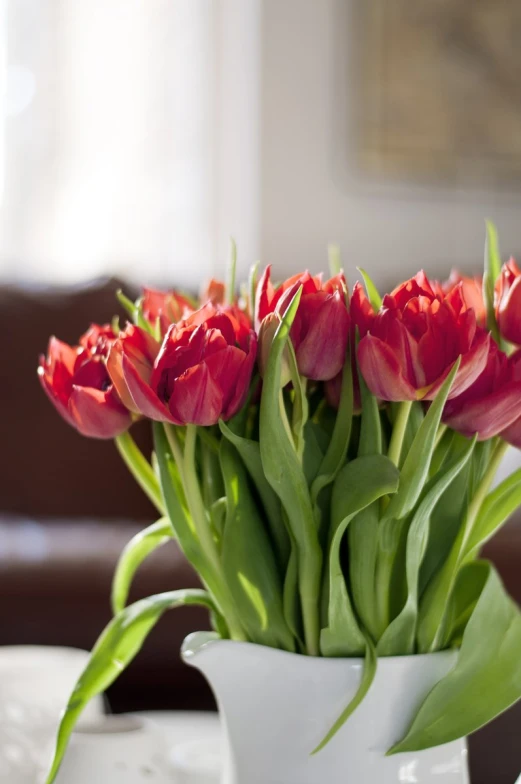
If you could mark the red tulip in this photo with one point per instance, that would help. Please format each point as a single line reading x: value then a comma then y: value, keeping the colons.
x: 168, y: 307
x: 320, y: 330
x: 214, y: 291
x: 508, y: 302
x: 512, y: 433
x: 493, y: 402
x: 76, y: 381
x: 415, y: 339
x: 199, y: 374
x: 472, y: 290
x: 362, y: 317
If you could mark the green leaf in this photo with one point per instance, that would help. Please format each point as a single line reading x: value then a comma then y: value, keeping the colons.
x: 369, y: 671
x: 416, y: 465
x: 121, y: 640
x: 370, y: 442
x: 358, y: 484
x: 495, y: 510
x: 486, y: 679
x: 372, y: 292
x: 283, y: 471
x: 249, y: 451
x: 339, y: 442
x: 135, y: 552
x: 399, y: 637
x: 248, y: 561
x: 491, y: 273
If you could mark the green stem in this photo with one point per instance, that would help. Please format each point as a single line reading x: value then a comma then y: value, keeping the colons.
x: 187, y: 469
x: 140, y: 469
x: 400, y: 425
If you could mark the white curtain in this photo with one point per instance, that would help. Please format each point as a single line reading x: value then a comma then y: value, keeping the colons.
x: 108, y: 140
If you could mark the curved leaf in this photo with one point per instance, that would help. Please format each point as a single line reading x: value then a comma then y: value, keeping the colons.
x: 486, y: 679
x: 133, y: 555
x: 369, y: 671
x: 358, y: 484
x: 119, y: 643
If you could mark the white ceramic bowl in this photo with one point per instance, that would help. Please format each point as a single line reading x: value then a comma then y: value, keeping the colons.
x: 35, y: 683
x: 115, y: 750
x: 196, y: 762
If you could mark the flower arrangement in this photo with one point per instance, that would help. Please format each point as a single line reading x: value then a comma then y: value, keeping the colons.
x: 324, y: 459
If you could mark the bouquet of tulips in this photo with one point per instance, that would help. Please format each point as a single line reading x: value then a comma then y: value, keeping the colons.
x: 325, y: 460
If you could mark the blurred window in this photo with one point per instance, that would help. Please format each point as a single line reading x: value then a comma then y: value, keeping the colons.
x: 107, y: 139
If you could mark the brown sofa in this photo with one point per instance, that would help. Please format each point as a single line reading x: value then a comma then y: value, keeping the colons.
x: 68, y: 505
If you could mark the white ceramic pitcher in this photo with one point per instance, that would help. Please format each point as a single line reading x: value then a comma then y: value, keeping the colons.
x: 277, y: 706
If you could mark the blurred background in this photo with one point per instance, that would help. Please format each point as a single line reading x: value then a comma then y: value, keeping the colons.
x: 136, y: 136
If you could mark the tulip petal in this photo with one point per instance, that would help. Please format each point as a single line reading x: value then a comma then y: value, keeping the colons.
x: 325, y: 326
x: 382, y: 371
x: 196, y: 398
x: 509, y: 314
x: 488, y: 415
x: 473, y: 363
x: 97, y: 413
x: 115, y: 371
x: 59, y: 402
x: 242, y: 383
x: 145, y: 399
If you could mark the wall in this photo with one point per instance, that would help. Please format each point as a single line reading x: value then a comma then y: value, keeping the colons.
x: 311, y: 192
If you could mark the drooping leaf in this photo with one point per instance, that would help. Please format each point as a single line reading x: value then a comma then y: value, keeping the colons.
x: 399, y: 637
x: 119, y: 643
x: 248, y: 561
x: 283, y: 471
x: 249, y: 451
x: 368, y: 673
x: 133, y: 555
x: 372, y: 292
x: 486, y: 679
x: 358, y: 484
x: 495, y: 511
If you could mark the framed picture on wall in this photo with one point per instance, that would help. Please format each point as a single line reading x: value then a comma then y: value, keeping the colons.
x: 441, y: 97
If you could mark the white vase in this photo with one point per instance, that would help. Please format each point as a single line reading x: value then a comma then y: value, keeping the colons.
x: 277, y: 706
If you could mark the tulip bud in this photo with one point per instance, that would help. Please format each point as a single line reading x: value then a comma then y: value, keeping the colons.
x: 508, y: 302
x: 267, y: 332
